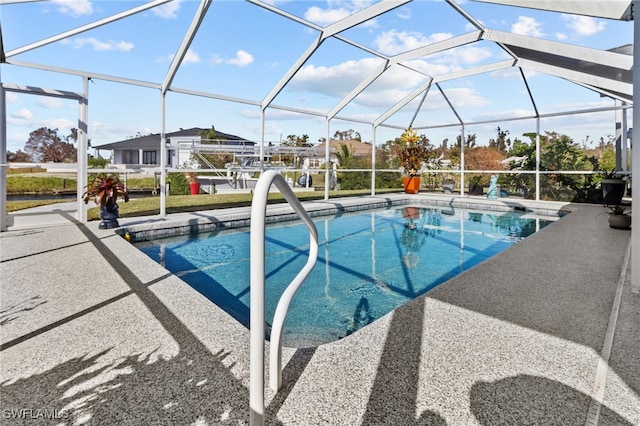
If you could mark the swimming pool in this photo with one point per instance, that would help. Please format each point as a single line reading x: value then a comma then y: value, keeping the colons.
x: 369, y: 263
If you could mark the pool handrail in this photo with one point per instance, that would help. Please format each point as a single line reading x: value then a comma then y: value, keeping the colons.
x: 257, y: 285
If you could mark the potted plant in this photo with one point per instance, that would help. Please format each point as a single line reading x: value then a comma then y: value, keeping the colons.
x: 613, y: 186
x: 475, y: 185
x: 619, y: 217
x: 105, y: 189
x: 412, y: 213
x: 194, y: 185
x: 415, y: 149
x: 448, y: 184
x: 588, y: 191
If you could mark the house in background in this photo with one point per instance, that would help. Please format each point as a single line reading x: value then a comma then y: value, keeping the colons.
x: 144, y: 151
x: 358, y: 149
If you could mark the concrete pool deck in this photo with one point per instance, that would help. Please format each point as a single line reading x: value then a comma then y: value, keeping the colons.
x: 546, y: 332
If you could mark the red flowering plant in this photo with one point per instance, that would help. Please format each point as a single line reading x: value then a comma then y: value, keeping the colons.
x: 103, y: 188
x: 414, y: 150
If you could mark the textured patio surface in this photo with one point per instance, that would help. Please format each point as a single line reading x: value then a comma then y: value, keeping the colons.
x: 94, y: 332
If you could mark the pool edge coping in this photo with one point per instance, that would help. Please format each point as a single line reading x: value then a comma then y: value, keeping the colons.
x: 155, y: 227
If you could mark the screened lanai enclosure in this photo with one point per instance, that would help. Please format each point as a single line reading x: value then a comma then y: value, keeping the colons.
x: 467, y: 74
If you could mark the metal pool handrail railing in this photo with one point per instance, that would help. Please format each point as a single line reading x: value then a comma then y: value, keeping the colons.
x: 257, y: 320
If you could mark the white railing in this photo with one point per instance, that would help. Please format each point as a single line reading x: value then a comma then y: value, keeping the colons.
x: 257, y: 320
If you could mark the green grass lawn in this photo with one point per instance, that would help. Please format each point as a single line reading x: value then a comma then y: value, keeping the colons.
x: 18, y: 184
x: 38, y: 184
x: 148, y: 206
x: 13, y: 206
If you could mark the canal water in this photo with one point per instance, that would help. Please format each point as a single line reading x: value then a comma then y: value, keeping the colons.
x: 70, y: 197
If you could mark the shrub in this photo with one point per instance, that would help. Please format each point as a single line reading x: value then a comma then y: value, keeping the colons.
x: 179, y: 184
x: 97, y: 163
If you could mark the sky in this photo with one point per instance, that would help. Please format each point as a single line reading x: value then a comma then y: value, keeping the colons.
x: 242, y: 51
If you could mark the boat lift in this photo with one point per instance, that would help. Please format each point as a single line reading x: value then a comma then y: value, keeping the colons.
x: 246, y: 160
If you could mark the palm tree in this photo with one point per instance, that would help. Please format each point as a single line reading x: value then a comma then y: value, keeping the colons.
x: 344, y: 155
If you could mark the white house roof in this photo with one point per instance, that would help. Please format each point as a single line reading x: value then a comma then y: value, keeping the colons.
x: 358, y: 148
x: 152, y: 141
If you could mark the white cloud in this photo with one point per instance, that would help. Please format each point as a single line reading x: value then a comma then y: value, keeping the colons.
x: 99, y: 46
x: 391, y: 87
x: 115, y: 132
x: 168, y: 10
x: 12, y: 98
x: 215, y: 60
x: 325, y: 17
x: 191, y: 57
x: 429, y: 68
x: 50, y: 103
x: 273, y: 114
x: 394, y: 42
x: 462, y: 97
x: 450, y: 60
x: 62, y: 124
x: 25, y: 118
x: 337, y: 10
x: 505, y: 114
x: 354, y: 5
x: 16, y: 121
x: 527, y: 26
x: 22, y: 114
x: 512, y: 72
x: 337, y: 80
x: 276, y: 2
x: 561, y: 36
x: 404, y: 13
x: 468, y: 27
x: 467, y: 55
x: 584, y: 25
x: 242, y: 59
x: 74, y: 7
x: 273, y: 132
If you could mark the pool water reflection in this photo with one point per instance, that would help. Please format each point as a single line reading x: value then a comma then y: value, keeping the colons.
x: 369, y: 263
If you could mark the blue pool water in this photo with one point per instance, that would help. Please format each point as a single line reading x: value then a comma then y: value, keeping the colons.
x: 369, y: 263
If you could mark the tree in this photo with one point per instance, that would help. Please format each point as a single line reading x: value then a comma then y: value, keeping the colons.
x: 297, y: 141
x: 558, y: 152
x: 217, y: 160
x: 18, y: 157
x: 502, y: 142
x: 97, y: 162
x: 209, y: 134
x: 46, y: 145
x: 294, y: 141
x: 605, y: 152
x: 470, y: 142
x: 385, y: 161
x: 483, y: 158
x: 346, y: 135
x: 351, y: 180
x: 454, y: 151
x: 344, y: 155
